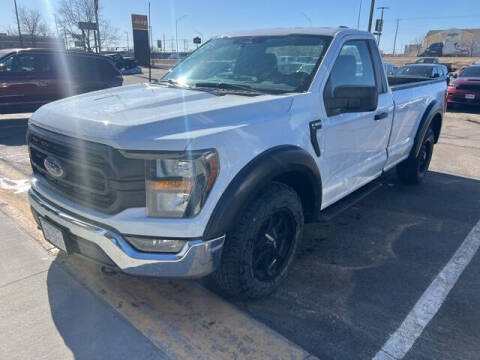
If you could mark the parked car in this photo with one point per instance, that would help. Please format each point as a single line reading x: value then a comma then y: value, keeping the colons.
x: 435, y: 49
x: 33, y: 77
x: 215, y: 169
x: 390, y: 68
x: 465, y: 89
x: 433, y: 60
x: 122, y: 62
x: 431, y: 71
x: 427, y: 60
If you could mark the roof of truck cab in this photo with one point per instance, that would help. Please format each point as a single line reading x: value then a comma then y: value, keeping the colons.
x: 325, y: 31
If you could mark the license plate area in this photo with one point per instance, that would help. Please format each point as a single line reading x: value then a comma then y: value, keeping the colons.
x: 54, y: 235
x: 470, y: 96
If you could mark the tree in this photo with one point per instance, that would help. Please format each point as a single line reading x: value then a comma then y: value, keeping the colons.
x: 71, y: 12
x: 31, y: 23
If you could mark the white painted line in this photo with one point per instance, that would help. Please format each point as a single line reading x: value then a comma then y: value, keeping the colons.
x: 400, y: 342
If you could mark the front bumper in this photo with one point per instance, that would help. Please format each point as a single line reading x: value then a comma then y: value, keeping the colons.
x: 197, y: 258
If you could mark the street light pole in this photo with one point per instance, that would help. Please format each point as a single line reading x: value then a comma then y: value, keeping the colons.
x: 176, y: 29
x: 98, y: 28
x: 359, y: 13
x: 308, y: 18
x: 372, y: 7
x: 395, y: 40
x: 18, y: 24
x: 149, y: 48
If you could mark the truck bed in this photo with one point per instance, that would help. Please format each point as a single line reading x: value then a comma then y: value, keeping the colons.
x: 404, y: 82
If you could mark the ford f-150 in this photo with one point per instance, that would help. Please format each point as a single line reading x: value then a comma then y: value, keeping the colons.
x: 214, y: 169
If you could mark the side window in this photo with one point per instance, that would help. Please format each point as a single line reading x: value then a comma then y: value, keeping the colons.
x: 44, y: 63
x: 6, y: 64
x: 354, y: 66
x: 24, y: 63
x: 352, y: 84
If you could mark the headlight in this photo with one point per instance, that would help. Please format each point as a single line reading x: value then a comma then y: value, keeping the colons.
x: 178, y: 187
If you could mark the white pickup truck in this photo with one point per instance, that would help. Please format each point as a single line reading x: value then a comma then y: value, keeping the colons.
x: 215, y: 168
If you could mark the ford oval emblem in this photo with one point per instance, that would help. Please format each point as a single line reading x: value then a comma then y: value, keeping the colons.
x: 53, y: 166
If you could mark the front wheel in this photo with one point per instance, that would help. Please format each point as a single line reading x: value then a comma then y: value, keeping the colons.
x: 413, y: 169
x: 259, y: 251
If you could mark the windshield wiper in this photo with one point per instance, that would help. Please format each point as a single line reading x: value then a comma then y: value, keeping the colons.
x: 228, y: 86
x: 174, y: 83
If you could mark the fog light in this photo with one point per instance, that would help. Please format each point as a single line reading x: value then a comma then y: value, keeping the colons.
x: 156, y: 245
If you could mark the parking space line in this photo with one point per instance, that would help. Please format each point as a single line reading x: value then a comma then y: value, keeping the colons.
x: 401, y: 341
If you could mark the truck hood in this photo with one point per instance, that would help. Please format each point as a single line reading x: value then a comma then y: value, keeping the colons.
x: 154, y: 117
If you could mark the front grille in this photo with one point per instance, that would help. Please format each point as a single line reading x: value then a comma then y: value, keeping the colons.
x: 95, y: 175
x: 471, y: 87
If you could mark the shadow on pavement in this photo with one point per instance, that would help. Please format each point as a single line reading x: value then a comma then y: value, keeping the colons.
x: 89, y: 327
x: 457, y: 108
x: 356, y: 278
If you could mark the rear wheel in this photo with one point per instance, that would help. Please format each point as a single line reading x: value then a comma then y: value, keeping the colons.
x: 259, y: 251
x: 413, y: 169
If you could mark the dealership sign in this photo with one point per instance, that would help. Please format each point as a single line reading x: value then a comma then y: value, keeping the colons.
x: 139, y: 22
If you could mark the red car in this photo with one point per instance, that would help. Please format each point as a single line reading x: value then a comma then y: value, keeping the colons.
x: 30, y: 78
x: 465, y: 89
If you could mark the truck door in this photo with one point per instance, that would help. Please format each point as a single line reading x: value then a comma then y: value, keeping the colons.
x: 354, y: 142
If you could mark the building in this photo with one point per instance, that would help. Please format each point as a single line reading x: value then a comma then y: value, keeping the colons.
x: 465, y: 41
x: 12, y: 41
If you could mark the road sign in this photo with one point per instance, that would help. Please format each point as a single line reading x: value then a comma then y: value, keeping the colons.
x: 197, y: 40
x: 79, y: 44
x: 159, y: 44
x: 139, y: 22
x: 379, y: 25
x: 83, y: 25
x: 77, y: 36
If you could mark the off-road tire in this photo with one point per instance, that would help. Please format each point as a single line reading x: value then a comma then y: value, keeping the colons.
x: 236, y: 277
x: 412, y: 170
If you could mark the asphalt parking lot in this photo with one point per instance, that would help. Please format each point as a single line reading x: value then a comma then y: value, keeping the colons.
x: 356, y: 279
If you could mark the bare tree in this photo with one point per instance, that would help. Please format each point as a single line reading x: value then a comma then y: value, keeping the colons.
x: 472, y: 45
x: 31, y: 23
x: 71, y: 12
x: 9, y: 30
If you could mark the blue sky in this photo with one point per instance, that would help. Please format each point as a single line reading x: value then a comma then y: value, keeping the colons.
x: 213, y: 17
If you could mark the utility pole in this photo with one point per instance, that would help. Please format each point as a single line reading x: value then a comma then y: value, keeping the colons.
x: 18, y: 24
x: 359, y: 13
x: 383, y: 8
x: 395, y: 40
x: 176, y: 29
x: 372, y: 7
x: 128, y: 45
x: 164, y: 44
x: 149, y: 48
x: 98, y: 27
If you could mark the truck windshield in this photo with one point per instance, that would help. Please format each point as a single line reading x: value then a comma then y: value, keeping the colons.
x: 265, y: 64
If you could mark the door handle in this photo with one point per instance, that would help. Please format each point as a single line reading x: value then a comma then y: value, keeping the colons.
x: 314, y: 126
x: 381, y: 116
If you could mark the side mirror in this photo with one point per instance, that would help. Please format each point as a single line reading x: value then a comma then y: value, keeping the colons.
x: 455, y: 75
x: 437, y: 75
x: 352, y: 99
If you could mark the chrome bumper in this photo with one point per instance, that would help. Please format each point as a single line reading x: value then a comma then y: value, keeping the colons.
x: 197, y: 258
